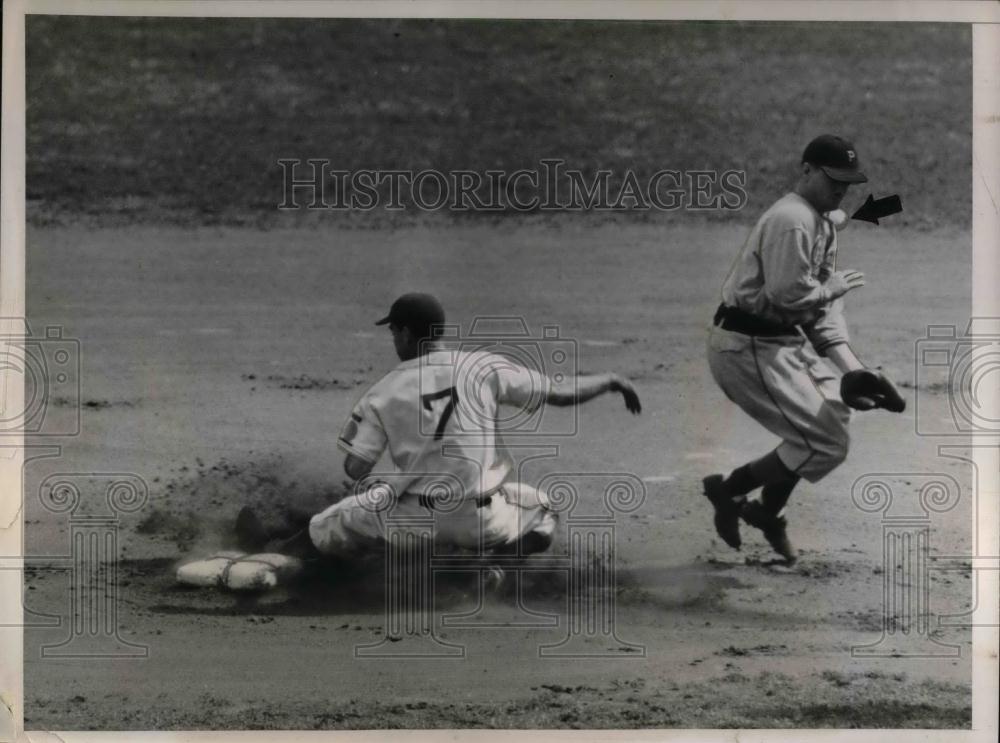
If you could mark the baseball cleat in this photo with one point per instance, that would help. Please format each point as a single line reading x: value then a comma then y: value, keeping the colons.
x: 251, y: 536
x: 774, y: 528
x: 727, y: 510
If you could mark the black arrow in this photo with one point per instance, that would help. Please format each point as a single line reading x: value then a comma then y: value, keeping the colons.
x: 873, y: 210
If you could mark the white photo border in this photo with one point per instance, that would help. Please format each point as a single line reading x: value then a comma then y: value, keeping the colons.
x: 986, y: 302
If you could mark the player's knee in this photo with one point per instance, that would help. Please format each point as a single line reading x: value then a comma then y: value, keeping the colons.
x: 837, y: 455
x: 842, y: 445
x: 834, y: 451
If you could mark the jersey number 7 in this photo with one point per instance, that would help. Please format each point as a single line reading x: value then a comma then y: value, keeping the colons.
x: 452, y: 394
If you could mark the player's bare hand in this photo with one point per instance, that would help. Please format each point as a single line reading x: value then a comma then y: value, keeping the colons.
x: 619, y: 384
x: 841, y: 282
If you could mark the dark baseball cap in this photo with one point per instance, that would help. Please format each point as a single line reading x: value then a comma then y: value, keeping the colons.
x: 836, y: 156
x: 418, y: 312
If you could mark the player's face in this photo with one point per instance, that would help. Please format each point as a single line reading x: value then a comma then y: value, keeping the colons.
x: 822, y: 191
x: 402, y: 341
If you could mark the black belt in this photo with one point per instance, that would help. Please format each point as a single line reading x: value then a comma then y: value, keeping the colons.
x: 738, y: 321
x: 430, y: 502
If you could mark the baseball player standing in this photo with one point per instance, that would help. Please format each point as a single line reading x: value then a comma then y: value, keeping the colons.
x: 781, y: 311
x: 436, y: 416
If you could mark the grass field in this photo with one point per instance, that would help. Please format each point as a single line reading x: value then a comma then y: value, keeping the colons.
x: 184, y: 120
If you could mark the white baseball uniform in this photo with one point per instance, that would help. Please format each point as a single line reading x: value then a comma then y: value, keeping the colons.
x: 437, y: 415
x: 780, y: 380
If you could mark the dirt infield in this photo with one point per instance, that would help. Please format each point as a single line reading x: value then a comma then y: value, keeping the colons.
x: 219, y: 364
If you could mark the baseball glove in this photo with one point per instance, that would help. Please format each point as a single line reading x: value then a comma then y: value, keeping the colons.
x: 864, y: 389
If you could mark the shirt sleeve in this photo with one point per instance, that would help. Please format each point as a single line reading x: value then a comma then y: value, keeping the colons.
x: 829, y: 329
x: 519, y: 386
x: 363, y: 435
x: 788, y: 280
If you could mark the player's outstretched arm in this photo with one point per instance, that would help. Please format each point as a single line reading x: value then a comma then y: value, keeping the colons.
x: 581, y: 389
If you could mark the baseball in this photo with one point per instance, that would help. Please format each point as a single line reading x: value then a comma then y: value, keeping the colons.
x: 838, y: 217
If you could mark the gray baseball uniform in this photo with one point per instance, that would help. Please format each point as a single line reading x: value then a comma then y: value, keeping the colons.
x: 771, y: 369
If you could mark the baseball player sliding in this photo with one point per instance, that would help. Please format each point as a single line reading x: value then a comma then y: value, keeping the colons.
x: 781, y: 311
x: 436, y: 415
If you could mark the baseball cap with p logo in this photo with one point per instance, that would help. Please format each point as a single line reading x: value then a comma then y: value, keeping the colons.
x: 836, y: 157
x: 418, y: 312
